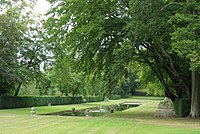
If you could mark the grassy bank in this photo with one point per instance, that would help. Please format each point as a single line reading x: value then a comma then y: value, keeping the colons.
x: 139, y: 120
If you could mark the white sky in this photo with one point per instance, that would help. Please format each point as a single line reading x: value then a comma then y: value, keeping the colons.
x: 42, y: 6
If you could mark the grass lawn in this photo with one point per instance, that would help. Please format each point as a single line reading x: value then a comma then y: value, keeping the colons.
x: 138, y: 120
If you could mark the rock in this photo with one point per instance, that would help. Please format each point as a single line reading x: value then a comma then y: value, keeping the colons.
x: 165, y: 113
x: 87, y: 112
x: 165, y: 109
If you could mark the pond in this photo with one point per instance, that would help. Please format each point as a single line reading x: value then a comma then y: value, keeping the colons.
x: 96, y: 111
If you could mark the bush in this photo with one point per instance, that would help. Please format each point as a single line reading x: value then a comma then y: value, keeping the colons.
x: 76, y: 100
x: 40, y: 101
x: 94, y: 98
x: 114, y: 97
x: 182, y: 107
x: 29, y: 101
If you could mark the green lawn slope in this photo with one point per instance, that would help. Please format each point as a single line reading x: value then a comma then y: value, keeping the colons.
x: 138, y: 120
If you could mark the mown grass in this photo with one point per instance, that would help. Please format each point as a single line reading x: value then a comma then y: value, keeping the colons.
x: 139, y: 120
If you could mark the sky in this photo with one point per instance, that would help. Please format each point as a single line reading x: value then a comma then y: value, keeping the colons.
x: 42, y: 6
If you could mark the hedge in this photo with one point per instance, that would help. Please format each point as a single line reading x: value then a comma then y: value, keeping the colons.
x: 114, y: 97
x: 94, y: 98
x: 29, y: 101
x: 182, y: 107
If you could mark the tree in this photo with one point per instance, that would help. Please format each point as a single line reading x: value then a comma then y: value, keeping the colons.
x: 149, y: 81
x: 150, y: 34
x: 44, y: 84
x: 186, y: 38
x: 22, y: 50
x: 94, y: 86
x: 95, y: 33
x: 33, y: 57
x: 12, y: 28
x: 65, y: 78
x: 106, y: 36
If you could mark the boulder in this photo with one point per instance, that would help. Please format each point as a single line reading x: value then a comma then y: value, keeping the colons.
x: 165, y: 109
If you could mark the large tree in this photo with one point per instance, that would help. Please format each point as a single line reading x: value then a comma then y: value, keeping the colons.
x: 21, y: 48
x: 65, y: 78
x: 11, y: 30
x: 150, y: 35
x: 91, y: 31
x: 106, y: 36
x: 186, y: 42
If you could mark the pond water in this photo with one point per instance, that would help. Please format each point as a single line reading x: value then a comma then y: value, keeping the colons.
x: 96, y: 111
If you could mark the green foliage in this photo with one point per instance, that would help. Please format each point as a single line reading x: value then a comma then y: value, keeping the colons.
x: 94, y: 86
x: 11, y: 33
x: 186, y: 35
x: 104, y: 37
x: 44, y: 84
x: 34, y: 59
x: 162, y: 34
x: 150, y: 33
x: 149, y: 82
x: 114, y: 97
x: 154, y: 89
x: 126, y: 85
x: 93, y: 98
x: 21, y: 48
x: 64, y: 77
x: 182, y: 107
x: 29, y: 101
x: 90, y: 34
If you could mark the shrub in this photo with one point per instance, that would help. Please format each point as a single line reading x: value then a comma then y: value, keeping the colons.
x: 182, y: 107
x: 94, y: 98
x: 29, y: 101
x: 76, y: 100
x: 114, y: 97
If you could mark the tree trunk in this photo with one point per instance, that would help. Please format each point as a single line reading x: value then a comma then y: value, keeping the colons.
x: 17, y: 91
x: 195, y: 102
x: 132, y: 90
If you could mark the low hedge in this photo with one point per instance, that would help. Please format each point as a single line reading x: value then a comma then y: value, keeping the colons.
x: 29, y: 101
x: 114, y: 97
x: 182, y: 107
x: 94, y: 98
